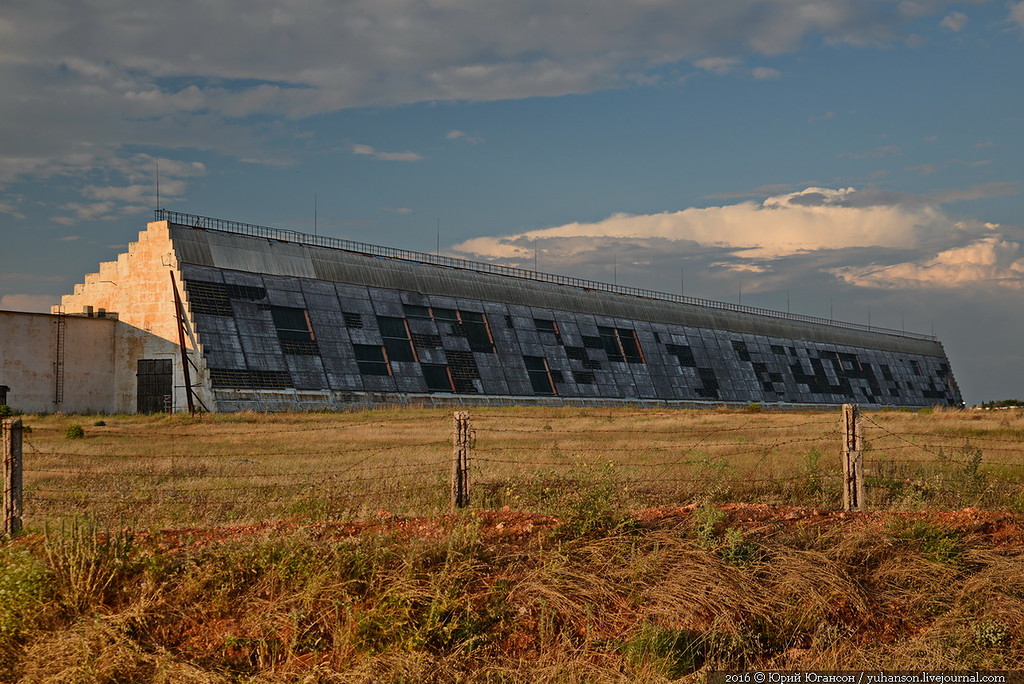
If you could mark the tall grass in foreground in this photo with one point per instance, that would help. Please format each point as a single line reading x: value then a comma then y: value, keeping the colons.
x: 602, y: 597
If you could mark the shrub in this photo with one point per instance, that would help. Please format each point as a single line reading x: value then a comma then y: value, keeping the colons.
x: 705, y: 525
x: 100, y: 423
x: 24, y: 583
x: 592, y: 509
x: 5, y: 411
x: 74, y: 431
x: 739, y: 550
x: 675, y: 652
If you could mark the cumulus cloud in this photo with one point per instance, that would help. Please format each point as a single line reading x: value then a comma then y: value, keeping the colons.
x: 892, y: 237
x: 812, y: 219
x: 990, y: 260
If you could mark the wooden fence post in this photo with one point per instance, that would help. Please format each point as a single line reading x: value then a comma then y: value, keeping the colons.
x: 853, y: 460
x: 460, y: 460
x: 10, y: 436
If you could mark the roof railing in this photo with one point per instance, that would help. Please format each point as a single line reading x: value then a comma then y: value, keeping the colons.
x: 285, y: 235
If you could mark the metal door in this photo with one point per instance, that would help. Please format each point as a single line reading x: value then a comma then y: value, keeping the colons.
x: 155, y: 385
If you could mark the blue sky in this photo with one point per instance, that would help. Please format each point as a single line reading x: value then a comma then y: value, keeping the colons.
x: 854, y: 158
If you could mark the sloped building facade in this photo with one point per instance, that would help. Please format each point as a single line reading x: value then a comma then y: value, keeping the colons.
x: 274, y: 320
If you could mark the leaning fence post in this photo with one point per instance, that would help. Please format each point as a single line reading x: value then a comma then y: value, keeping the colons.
x: 853, y: 460
x: 11, y: 439
x: 460, y: 460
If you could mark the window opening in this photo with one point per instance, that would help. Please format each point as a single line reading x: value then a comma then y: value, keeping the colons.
x: 683, y: 354
x: 445, y: 315
x: 437, y: 377
x: 251, y: 379
x: 463, y: 370
x: 371, y: 359
x: 630, y: 346
x: 540, y: 375
x: 395, y: 333
x: 294, y: 330
x: 214, y: 299
x: 620, y: 344
x: 415, y: 311
x: 584, y: 377
x: 610, y: 344
x: 477, y: 331
x: 426, y: 341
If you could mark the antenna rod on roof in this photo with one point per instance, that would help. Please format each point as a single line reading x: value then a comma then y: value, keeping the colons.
x: 158, y: 185
x: 314, y: 213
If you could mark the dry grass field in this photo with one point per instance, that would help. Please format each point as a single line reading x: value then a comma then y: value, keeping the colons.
x: 178, y: 471
x: 600, y: 545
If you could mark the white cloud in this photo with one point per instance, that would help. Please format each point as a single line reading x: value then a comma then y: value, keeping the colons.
x: 27, y: 302
x: 88, y: 211
x: 10, y: 209
x: 718, y: 65
x: 1017, y: 14
x: 368, y: 151
x: 989, y: 261
x: 799, y: 222
x: 766, y: 73
x: 892, y: 237
x: 954, y: 21
x: 462, y: 136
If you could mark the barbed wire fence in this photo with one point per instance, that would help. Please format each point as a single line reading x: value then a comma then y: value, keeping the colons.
x: 199, y: 475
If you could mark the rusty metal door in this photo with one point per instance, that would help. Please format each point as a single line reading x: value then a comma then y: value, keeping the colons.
x: 155, y: 385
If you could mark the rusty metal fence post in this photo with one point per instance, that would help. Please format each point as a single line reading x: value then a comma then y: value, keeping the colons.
x: 460, y: 460
x: 10, y: 437
x: 853, y: 460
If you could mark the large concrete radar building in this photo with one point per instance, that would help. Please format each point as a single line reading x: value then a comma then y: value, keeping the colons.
x: 274, y: 319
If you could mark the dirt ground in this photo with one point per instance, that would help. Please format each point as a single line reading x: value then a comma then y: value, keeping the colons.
x: 994, y: 529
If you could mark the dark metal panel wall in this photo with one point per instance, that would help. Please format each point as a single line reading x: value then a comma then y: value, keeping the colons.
x: 679, y: 362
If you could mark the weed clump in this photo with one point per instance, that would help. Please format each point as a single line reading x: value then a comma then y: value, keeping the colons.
x: 74, y: 431
x: 934, y: 542
x: 87, y: 565
x: 730, y: 543
x: 670, y: 651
